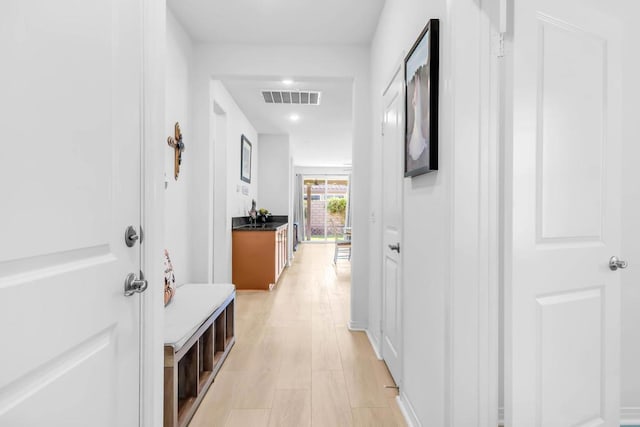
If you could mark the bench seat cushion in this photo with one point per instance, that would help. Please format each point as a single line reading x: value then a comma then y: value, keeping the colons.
x: 190, y: 308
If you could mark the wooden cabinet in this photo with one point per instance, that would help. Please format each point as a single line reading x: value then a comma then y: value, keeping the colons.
x: 281, y: 250
x: 259, y: 257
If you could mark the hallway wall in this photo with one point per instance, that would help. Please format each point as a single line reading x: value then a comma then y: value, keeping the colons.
x: 276, y: 178
x: 274, y: 174
x: 179, y: 62
x: 445, y: 237
x: 426, y: 239
x: 222, y: 173
x: 189, y: 201
x: 236, y: 60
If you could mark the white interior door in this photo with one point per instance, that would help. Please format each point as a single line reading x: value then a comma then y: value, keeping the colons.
x: 562, y: 299
x: 392, y: 172
x: 70, y: 114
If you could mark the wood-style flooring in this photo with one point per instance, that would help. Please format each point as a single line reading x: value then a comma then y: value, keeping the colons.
x: 295, y: 363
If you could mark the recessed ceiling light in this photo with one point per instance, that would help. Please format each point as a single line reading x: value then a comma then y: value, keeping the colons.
x: 287, y: 82
x: 294, y: 117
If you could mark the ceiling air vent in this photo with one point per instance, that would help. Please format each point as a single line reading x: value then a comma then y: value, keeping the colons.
x: 301, y: 97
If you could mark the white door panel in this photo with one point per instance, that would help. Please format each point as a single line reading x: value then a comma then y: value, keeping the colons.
x: 392, y: 152
x: 572, y: 113
x: 70, y: 107
x: 563, y: 301
x: 391, y: 325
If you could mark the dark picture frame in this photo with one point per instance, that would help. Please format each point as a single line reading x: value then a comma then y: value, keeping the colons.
x: 421, y: 73
x: 245, y: 159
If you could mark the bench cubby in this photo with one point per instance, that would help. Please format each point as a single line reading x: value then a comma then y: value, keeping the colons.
x: 195, y: 350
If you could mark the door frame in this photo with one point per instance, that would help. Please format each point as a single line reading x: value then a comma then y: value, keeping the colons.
x: 493, y: 28
x: 474, y: 88
x: 398, y: 69
x: 152, y: 215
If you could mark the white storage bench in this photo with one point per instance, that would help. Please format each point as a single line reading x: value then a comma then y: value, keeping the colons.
x: 198, y: 334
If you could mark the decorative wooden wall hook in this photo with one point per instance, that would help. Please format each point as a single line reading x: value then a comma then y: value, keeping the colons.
x: 178, y: 146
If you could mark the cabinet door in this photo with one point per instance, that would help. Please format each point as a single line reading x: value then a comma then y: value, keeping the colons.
x: 277, y: 249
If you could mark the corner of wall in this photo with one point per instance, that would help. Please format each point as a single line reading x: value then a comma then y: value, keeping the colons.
x: 178, y: 65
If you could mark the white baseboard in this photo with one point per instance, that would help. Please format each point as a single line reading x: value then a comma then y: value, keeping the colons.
x: 357, y: 326
x: 407, y: 410
x: 375, y: 344
x: 630, y: 416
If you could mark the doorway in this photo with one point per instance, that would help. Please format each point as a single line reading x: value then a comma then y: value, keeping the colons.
x: 392, y: 164
x: 325, y: 201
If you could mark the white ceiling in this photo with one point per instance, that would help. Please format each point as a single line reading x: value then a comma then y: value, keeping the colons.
x: 321, y: 137
x: 279, y: 21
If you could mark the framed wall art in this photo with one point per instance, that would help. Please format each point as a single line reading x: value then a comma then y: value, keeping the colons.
x: 245, y: 159
x: 421, y: 103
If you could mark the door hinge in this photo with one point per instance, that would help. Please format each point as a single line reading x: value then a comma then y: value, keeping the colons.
x: 382, y: 128
x: 500, y: 45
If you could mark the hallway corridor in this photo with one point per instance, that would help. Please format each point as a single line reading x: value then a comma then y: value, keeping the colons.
x: 295, y: 363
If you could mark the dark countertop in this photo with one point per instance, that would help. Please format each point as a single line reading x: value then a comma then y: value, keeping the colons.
x: 245, y: 220
x: 268, y: 226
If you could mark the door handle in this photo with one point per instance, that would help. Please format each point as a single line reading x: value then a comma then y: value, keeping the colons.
x: 395, y: 247
x: 133, y: 285
x: 616, y: 263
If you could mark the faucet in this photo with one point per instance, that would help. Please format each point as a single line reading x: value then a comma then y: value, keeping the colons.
x: 253, y: 213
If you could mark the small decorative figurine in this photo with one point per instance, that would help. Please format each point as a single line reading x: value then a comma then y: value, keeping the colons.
x: 178, y: 146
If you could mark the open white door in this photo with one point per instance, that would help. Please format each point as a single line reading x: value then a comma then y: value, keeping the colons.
x: 392, y: 171
x: 562, y: 300
x: 70, y: 107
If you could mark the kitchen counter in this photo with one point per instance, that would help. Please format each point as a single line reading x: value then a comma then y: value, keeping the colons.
x: 259, y: 254
x: 267, y: 226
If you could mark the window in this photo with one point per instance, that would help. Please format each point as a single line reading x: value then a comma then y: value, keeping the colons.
x: 320, y: 222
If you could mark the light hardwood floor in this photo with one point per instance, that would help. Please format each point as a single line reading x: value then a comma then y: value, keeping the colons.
x: 295, y: 363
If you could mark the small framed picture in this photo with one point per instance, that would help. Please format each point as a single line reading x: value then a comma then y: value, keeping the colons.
x: 245, y: 159
x: 421, y: 103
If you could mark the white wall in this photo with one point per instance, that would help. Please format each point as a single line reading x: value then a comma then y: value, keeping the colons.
x: 179, y: 58
x: 208, y: 191
x: 630, y: 369
x: 274, y: 174
x: 444, y: 273
x: 238, y: 203
x: 224, y: 174
x: 426, y: 240
x: 329, y: 170
x: 217, y: 61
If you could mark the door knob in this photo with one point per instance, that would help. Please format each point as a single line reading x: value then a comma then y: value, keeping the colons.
x: 616, y: 263
x: 134, y: 285
x: 395, y: 247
